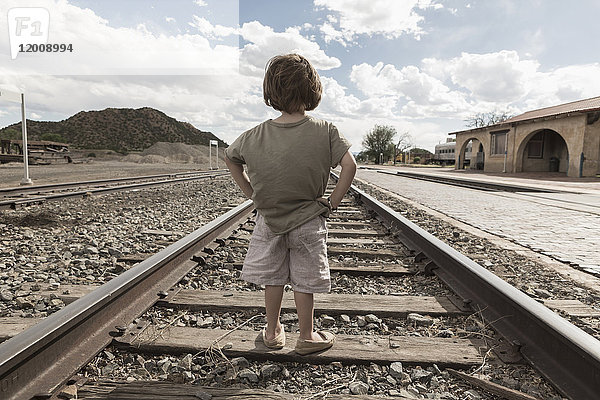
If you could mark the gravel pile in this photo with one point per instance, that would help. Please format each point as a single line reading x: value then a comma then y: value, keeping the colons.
x: 78, y: 241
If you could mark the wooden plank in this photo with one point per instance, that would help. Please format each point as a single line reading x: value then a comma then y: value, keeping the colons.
x: 355, y: 233
x: 363, y: 253
x: 153, y: 390
x: 348, y: 349
x: 377, y: 269
x: 348, y: 225
x: 332, y: 304
x: 574, y: 308
x: 354, y: 240
x: 12, y: 326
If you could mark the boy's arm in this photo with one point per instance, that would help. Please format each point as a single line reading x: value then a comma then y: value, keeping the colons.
x: 346, y: 175
x: 240, y: 177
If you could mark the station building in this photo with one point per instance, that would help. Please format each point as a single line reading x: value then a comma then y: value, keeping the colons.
x: 563, y: 138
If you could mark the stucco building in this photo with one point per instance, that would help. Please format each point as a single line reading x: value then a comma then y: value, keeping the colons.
x: 563, y: 138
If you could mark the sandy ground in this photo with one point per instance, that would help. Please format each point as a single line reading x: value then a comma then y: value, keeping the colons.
x: 12, y: 173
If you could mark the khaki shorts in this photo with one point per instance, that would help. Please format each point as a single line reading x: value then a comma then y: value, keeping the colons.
x: 298, y: 257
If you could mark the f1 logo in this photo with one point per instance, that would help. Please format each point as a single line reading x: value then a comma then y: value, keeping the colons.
x: 26, y: 26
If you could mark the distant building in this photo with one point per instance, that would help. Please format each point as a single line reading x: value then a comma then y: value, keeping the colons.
x: 563, y: 138
x: 445, y: 153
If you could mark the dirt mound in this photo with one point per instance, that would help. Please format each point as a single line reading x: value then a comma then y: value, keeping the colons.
x: 181, y: 153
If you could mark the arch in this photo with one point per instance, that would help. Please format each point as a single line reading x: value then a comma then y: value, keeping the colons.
x: 543, y: 150
x: 464, y: 155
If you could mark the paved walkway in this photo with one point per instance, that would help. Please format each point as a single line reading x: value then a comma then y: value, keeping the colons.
x: 565, y: 226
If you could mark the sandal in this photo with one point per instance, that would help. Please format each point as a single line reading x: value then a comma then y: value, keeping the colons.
x: 278, y: 342
x: 304, y: 347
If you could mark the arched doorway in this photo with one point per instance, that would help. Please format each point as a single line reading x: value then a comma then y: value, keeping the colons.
x: 545, y: 150
x: 464, y: 157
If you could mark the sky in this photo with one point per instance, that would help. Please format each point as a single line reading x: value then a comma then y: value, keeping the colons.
x: 420, y: 66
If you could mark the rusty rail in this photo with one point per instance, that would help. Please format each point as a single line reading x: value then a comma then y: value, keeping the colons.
x: 566, y: 355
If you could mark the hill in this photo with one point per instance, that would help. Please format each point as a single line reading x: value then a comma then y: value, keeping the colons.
x: 119, y: 129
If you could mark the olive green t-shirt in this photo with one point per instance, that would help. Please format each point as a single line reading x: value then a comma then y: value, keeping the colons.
x: 288, y: 167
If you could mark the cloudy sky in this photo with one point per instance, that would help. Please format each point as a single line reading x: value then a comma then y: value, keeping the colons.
x: 421, y: 66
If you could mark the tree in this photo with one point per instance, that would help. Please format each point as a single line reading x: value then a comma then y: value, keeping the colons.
x: 379, y: 140
x: 405, y: 142
x: 480, y: 120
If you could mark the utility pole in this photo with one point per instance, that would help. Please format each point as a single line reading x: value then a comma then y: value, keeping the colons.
x: 20, y: 98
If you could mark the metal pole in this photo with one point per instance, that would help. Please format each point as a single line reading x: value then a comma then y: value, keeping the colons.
x: 505, y: 151
x: 25, y: 180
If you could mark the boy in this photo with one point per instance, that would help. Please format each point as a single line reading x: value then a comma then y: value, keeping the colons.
x: 288, y: 160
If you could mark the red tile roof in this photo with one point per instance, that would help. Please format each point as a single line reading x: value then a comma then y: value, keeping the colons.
x: 578, y: 106
x: 575, y: 106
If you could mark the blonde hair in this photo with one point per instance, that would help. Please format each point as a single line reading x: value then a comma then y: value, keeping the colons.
x: 291, y: 84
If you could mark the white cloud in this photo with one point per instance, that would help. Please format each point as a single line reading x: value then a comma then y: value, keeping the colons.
x: 169, y: 19
x: 200, y: 3
x: 209, y: 30
x: 422, y: 92
x: 33, y: 115
x: 390, y: 18
x: 266, y: 43
x: 100, y: 49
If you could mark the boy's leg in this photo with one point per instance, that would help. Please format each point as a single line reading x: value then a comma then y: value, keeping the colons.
x: 305, y: 309
x: 273, y: 298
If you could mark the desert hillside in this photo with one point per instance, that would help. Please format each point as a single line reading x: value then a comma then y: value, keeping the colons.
x: 119, y: 129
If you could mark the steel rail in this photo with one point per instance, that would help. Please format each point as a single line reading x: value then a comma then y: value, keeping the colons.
x: 67, y: 185
x: 566, y: 355
x: 37, y: 361
x: 471, y: 183
x: 14, y: 203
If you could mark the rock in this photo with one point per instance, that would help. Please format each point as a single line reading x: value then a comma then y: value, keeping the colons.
x: 327, y: 321
x: 358, y: 388
x: 269, y: 371
x: 186, y: 362
x: 361, y: 321
x: 240, y: 362
x: 371, y: 318
x: 139, y: 360
x: 396, y: 370
x: 289, y: 317
x: 24, y: 302
x: 249, y: 375
x: 421, y: 375
x: 205, y: 322
x: 345, y: 319
x: 68, y: 392
x: 419, y: 320
x: 472, y: 395
x: 543, y: 293
x: 5, y: 295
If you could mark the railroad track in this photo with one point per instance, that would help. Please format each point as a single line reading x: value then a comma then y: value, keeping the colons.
x: 14, y: 197
x: 470, y: 183
x: 143, y: 311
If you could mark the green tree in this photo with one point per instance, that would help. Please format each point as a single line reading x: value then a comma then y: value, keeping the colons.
x: 379, y: 140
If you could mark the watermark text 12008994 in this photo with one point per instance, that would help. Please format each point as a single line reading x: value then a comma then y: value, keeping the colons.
x: 45, y: 48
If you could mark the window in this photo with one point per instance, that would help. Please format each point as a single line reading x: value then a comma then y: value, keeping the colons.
x: 535, y: 146
x: 499, y: 142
